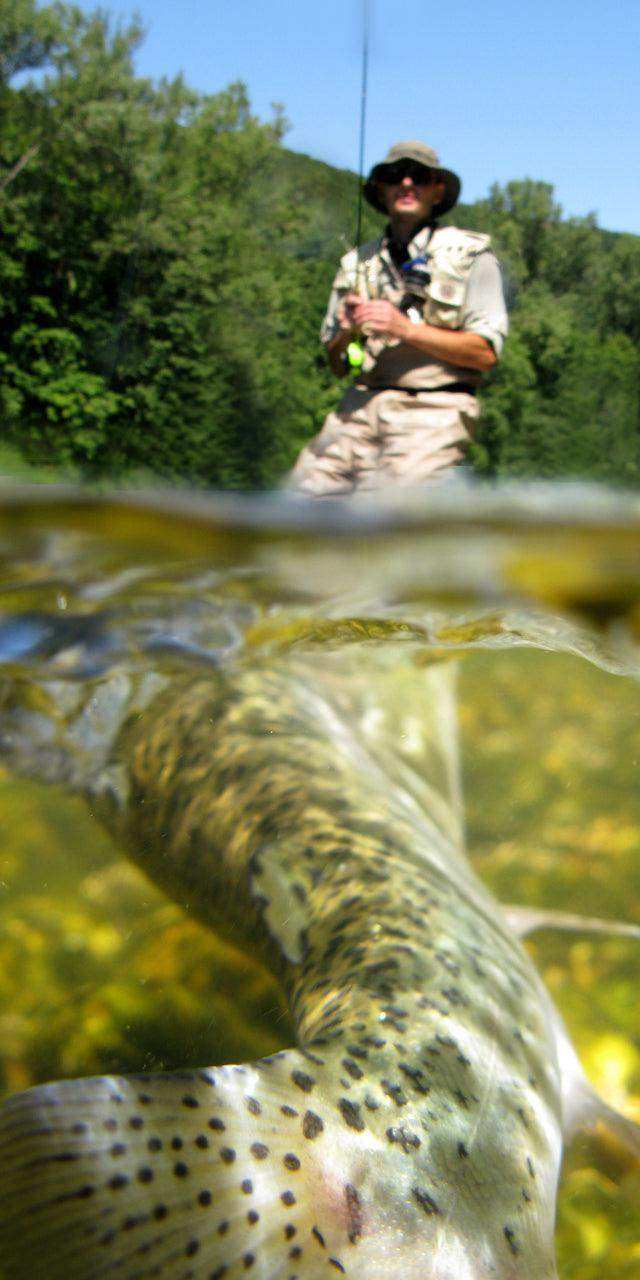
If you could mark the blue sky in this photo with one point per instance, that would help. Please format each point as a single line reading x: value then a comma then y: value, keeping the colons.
x: 547, y: 91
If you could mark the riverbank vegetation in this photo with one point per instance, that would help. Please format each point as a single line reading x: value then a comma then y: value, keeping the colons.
x: 165, y: 263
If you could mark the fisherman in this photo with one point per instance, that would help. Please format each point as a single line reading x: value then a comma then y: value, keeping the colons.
x: 420, y: 314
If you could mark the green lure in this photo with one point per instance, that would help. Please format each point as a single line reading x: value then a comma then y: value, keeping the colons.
x: 355, y: 355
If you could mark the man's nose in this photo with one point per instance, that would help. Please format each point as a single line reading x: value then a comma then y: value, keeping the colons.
x: 407, y: 180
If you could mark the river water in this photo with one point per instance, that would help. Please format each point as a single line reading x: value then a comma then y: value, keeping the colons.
x: 533, y: 592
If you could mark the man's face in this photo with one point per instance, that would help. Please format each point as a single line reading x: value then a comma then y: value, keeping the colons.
x: 410, y: 191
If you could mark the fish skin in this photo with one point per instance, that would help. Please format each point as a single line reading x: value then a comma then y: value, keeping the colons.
x: 418, y: 1124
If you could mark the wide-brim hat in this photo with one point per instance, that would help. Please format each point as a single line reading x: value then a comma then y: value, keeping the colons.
x: 422, y: 154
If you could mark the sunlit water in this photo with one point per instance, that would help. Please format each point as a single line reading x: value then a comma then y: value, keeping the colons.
x: 538, y: 592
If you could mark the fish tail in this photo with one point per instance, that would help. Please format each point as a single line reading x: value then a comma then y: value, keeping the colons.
x: 205, y: 1174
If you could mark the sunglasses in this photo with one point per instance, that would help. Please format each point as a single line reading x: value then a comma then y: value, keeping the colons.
x: 391, y: 174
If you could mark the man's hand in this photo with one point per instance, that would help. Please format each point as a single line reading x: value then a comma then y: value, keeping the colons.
x: 381, y: 318
x: 345, y: 313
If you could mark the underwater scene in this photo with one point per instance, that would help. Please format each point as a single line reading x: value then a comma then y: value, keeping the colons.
x: 468, y: 664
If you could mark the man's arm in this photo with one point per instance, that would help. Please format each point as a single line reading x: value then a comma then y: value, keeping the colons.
x: 346, y: 332
x: 453, y: 346
x: 335, y: 350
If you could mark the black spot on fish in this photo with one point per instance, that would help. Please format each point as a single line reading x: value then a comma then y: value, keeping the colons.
x: 357, y: 1052
x: 416, y: 1076
x: 337, y: 1264
x: 259, y: 1150
x: 144, y: 1099
x: 253, y: 1106
x: 252, y: 1217
x: 118, y: 1149
x: 217, y: 1124
x: 246, y: 1186
x: 289, y: 1111
x: 154, y: 1144
x: 160, y: 1212
x: 395, y: 1092
x: 288, y: 1197
x: 289, y: 1231
x: 192, y: 1248
x: 530, y: 1167
x: 118, y: 1182
x: 426, y: 1202
x: 354, y: 1212
x: 202, y: 1141
x: 180, y: 1169
x: 218, y: 1273
x: 319, y: 1237
x: 351, y: 1114
x: 228, y: 1155
x: 248, y: 1260
x: 177, y: 1144
x: 223, y: 1227
x: 82, y: 1193
x: 302, y: 1081
x: 404, y: 1138
x: 295, y: 1252
x: 510, y: 1237
x: 190, y: 1101
x: 311, y: 1057
x: 312, y: 1125
x: 291, y: 1162
x: 111, y: 1125
x: 136, y: 1122
x: 354, y: 1070
x: 145, y: 1174
x: 204, y: 1199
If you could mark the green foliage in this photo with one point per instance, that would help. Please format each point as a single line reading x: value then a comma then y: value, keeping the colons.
x: 165, y: 264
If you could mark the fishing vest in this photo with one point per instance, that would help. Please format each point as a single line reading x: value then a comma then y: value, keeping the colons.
x: 448, y: 254
x: 436, y: 286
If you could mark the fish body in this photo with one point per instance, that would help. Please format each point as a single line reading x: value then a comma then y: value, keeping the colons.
x: 417, y: 1126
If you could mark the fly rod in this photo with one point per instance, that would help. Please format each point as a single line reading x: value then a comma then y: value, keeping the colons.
x: 355, y: 350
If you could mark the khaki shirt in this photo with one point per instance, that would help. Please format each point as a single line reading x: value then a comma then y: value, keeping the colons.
x: 465, y: 293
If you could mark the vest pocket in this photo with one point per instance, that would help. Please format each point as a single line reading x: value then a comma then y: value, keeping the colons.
x: 445, y: 297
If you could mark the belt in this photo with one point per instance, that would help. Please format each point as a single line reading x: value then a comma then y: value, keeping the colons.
x: 468, y: 388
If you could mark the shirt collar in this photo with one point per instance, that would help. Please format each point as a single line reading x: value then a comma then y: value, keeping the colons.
x: 416, y: 246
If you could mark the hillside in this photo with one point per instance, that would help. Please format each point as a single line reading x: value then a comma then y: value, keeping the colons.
x: 165, y: 263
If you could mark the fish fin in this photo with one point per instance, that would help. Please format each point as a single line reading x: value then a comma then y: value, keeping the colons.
x: 192, y: 1173
x: 525, y: 920
x: 583, y: 1109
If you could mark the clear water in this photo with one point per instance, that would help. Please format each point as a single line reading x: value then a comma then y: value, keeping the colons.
x: 538, y: 592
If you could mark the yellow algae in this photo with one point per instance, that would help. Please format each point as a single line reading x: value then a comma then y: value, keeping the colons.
x: 595, y: 1233
x: 279, y: 635
x: 612, y: 1062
